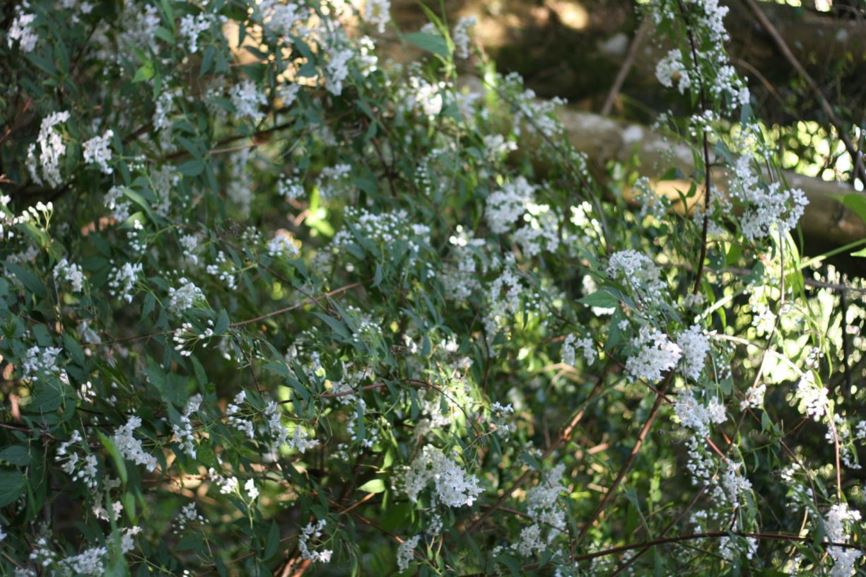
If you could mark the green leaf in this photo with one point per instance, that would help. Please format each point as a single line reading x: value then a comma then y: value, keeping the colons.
x: 602, y: 298
x: 30, y: 281
x: 116, y: 457
x: 191, y: 167
x: 144, y: 73
x: 12, y: 483
x: 373, y: 486
x: 434, y: 43
x: 856, y: 203
x: 15, y: 455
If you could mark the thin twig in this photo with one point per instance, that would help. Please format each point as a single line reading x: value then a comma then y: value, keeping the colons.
x: 626, y: 67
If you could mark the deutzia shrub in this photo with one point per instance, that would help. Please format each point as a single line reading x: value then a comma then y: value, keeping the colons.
x: 273, y: 305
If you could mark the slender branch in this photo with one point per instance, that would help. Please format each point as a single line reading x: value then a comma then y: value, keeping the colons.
x: 767, y: 25
x: 293, y: 307
x: 626, y: 67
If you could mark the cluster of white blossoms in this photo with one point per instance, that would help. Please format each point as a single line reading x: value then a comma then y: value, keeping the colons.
x: 41, y: 360
x: 460, y: 35
x: 548, y: 518
x: 386, y: 229
x: 71, y: 273
x: 452, y: 486
x: 78, y: 464
x: 130, y: 447
x: 504, y: 208
x: 694, y: 345
x: 51, y: 150
x: 97, y: 151
x: 248, y: 100
x: 282, y: 245
x: 185, y: 296
x: 122, y: 280
x: 337, y: 69
x: 697, y: 417
x: 655, y: 355
x: 769, y: 208
x: 22, y: 31
x: 333, y: 180
x: 639, y: 273
x: 184, y: 433
x: 671, y: 69
x: 406, y: 551
x: 313, y: 532
x: 812, y: 397
x: 585, y: 344
x: 461, y: 272
x: 192, y: 26
x: 377, y: 13
x: 839, y: 517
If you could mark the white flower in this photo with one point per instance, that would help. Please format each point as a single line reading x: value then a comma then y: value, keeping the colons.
x: 671, y: 69
x: 185, y: 296
x: 282, y: 245
x: 337, y: 69
x: 452, y: 486
x: 51, y: 150
x: 122, y: 280
x: 309, y: 533
x: 183, y: 432
x: 695, y: 346
x: 251, y: 489
x: 192, y: 26
x: 655, y: 355
x: 844, y: 558
x: 504, y: 207
x: 22, y: 31
x: 813, y: 397
x: 585, y: 344
x: 405, y: 552
x: 247, y: 99
x: 460, y: 35
x: 638, y: 272
x: 71, y: 273
x: 696, y: 416
x: 378, y: 13
x: 130, y: 447
x: 97, y: 151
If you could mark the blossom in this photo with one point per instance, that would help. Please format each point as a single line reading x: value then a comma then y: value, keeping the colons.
x: 130, y: 447
x: 246, y: 98
x: 98, y: 152
x: 185, y: 296
x: 405, y: 552
x: 22, y: 31
x: 695, y: 346
x: 504, y: 207
x: 51, y: 150
x: 310, y: 532
x: 71, y: 273
x: 671, y: 69
x: 460, y: 35
x: 655, y: 355
x: 337, y: 69
x: 452, y: 486
x: 378, y: 13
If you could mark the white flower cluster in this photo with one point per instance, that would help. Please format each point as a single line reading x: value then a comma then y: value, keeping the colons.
x: 547, y: 517
x: 41, y: 361
x: 696, y: 416
x: 290, y: 188
x: 385, y: 229
x: 452, y: 485
x: 130, y: 447
x: 51, y: 150
x: 97, y: 151
x: 378, y: 13
x: 655, y: 355
x: 282, y: 245
x: 248, y: 100
x: 767, y: 209
x: 71, y: 273
x: 506, y: 206
x: 79, y: 466
x: 844, y: 559
x: 22, y: 30
x: 695, y: 345
x: 183, y: 432
x: 311, y: 532
x: 337, y: 69
x: 460, y: 35
x: 812, y: 397
x: 185, y: 296
x: 188, y: 514
x: 671, y: 69
x: 405, y: 552
x: 585, y: 344
x: 121, y: 281
x: 460, y: 276
x: 638, y: 272
x: 115, y: 201
x: 192, y: 27
x: 541, y: 231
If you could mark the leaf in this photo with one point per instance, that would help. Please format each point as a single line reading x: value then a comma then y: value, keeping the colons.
x: 373, y: 486
x: 434, y: 43
x: 191, y: 168
x: 30, y: 281
x: 116, y: 457
x: 860, y: 253
x: 273, y: 543
x: 856, y: 203
x: 12, y: 483
x: 602, y: 298
x: 144, y: 73
x: 15, y: 455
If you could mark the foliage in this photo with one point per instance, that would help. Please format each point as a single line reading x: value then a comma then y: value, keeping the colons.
x: 272, y: 306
